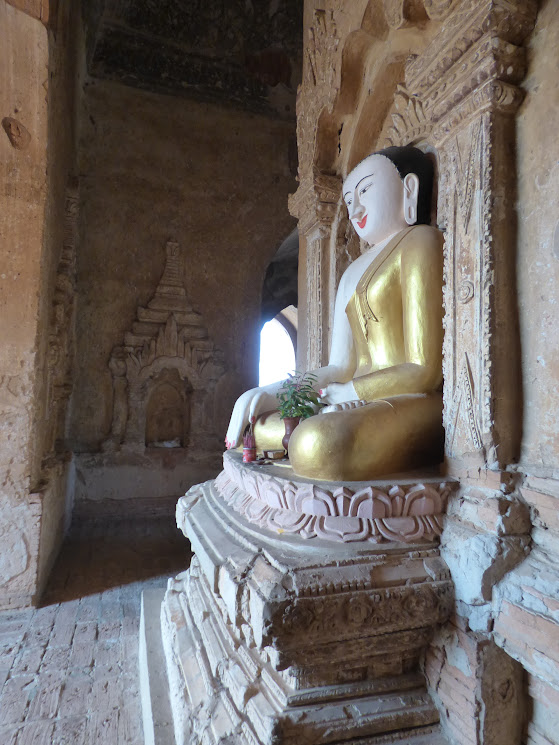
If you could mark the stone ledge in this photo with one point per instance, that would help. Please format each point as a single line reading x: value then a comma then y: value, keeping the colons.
x: 154, y: 691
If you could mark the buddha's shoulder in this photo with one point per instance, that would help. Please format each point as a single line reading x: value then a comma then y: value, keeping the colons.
x: 422, y: 240
x: 423, y: 235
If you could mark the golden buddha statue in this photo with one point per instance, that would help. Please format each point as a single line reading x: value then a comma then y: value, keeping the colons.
x: 382, y: 385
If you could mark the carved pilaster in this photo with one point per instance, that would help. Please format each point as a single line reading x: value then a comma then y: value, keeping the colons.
x: 460, y: 97
x: 61, y: 333
x: 314, y: 204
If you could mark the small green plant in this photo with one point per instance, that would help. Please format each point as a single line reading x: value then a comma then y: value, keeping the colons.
x: 297, y: 397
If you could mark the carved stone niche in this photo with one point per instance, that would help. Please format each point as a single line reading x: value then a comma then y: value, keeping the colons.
x: 165, y: 373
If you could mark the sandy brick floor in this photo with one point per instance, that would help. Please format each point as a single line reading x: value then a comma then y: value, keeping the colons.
x: 69, y: 669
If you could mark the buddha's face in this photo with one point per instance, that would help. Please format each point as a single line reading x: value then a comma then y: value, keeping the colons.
x: 379, y: 202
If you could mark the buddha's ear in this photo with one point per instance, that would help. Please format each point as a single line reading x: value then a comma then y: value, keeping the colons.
x: 411, y: 191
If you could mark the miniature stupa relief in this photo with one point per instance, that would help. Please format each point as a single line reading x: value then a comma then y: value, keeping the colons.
x: 165, y: 372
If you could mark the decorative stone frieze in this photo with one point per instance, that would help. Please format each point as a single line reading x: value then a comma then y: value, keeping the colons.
x: 321, y: 68
x: 315, y: 201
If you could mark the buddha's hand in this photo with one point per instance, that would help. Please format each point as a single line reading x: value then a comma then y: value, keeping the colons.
x: 345, y: 406
x: 246, y: 409
x: 338, y: 393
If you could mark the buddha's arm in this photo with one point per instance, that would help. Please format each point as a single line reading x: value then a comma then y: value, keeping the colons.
x: 340, y: 367
x: 421, y: 282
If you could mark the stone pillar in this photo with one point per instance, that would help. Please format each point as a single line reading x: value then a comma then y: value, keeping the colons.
x: 314, y: 204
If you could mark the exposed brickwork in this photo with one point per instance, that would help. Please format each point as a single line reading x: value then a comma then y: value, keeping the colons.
x: 477, y: 687
x: 453, y: 685
x: 544, y: 726
x: 69, y: 670
x: 529, y: 635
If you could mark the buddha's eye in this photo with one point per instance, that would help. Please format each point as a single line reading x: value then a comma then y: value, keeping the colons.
x: 348, y: 202
x: 364, y: 189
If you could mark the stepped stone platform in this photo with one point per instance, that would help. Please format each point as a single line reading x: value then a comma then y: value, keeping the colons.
x: 307, y: 635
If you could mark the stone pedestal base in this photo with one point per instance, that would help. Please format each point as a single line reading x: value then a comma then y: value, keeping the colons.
x: 274, y: 638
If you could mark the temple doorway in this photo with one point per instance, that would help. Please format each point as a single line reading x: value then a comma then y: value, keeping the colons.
x: 277, y: 352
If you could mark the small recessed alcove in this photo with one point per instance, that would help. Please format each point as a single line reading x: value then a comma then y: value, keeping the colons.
x: 168, y: 412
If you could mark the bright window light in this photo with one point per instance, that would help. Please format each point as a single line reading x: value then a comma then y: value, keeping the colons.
x: 277, y: 356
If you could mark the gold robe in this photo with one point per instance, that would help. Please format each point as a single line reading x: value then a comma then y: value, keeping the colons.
x: 395, y: 317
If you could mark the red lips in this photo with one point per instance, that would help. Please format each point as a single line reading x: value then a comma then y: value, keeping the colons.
x: 363, y: 222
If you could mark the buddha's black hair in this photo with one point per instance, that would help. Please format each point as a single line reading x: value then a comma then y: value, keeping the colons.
x: 409, y: 159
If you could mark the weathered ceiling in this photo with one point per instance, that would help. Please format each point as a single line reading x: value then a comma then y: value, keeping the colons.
x: 243, y: 52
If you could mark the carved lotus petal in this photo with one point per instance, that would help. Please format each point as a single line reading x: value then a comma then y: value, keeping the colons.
x: 345, y: 529
x: 405, y: 529
x: 222, y: 480
x: 398, y: 506
x: 422, y: 500
x: 272, y: 493
x: 290, y: 495
x: 243, y: 502
x: 433, y: 524
x: 291, y: 522
x: 302, y: 496
x: 319, y: 503
x: 256, y: 511
x: 251, y: 485
x: 370, y: 503
x: 342, y: 498
x: 342, y: 502
x: 309, y: 531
